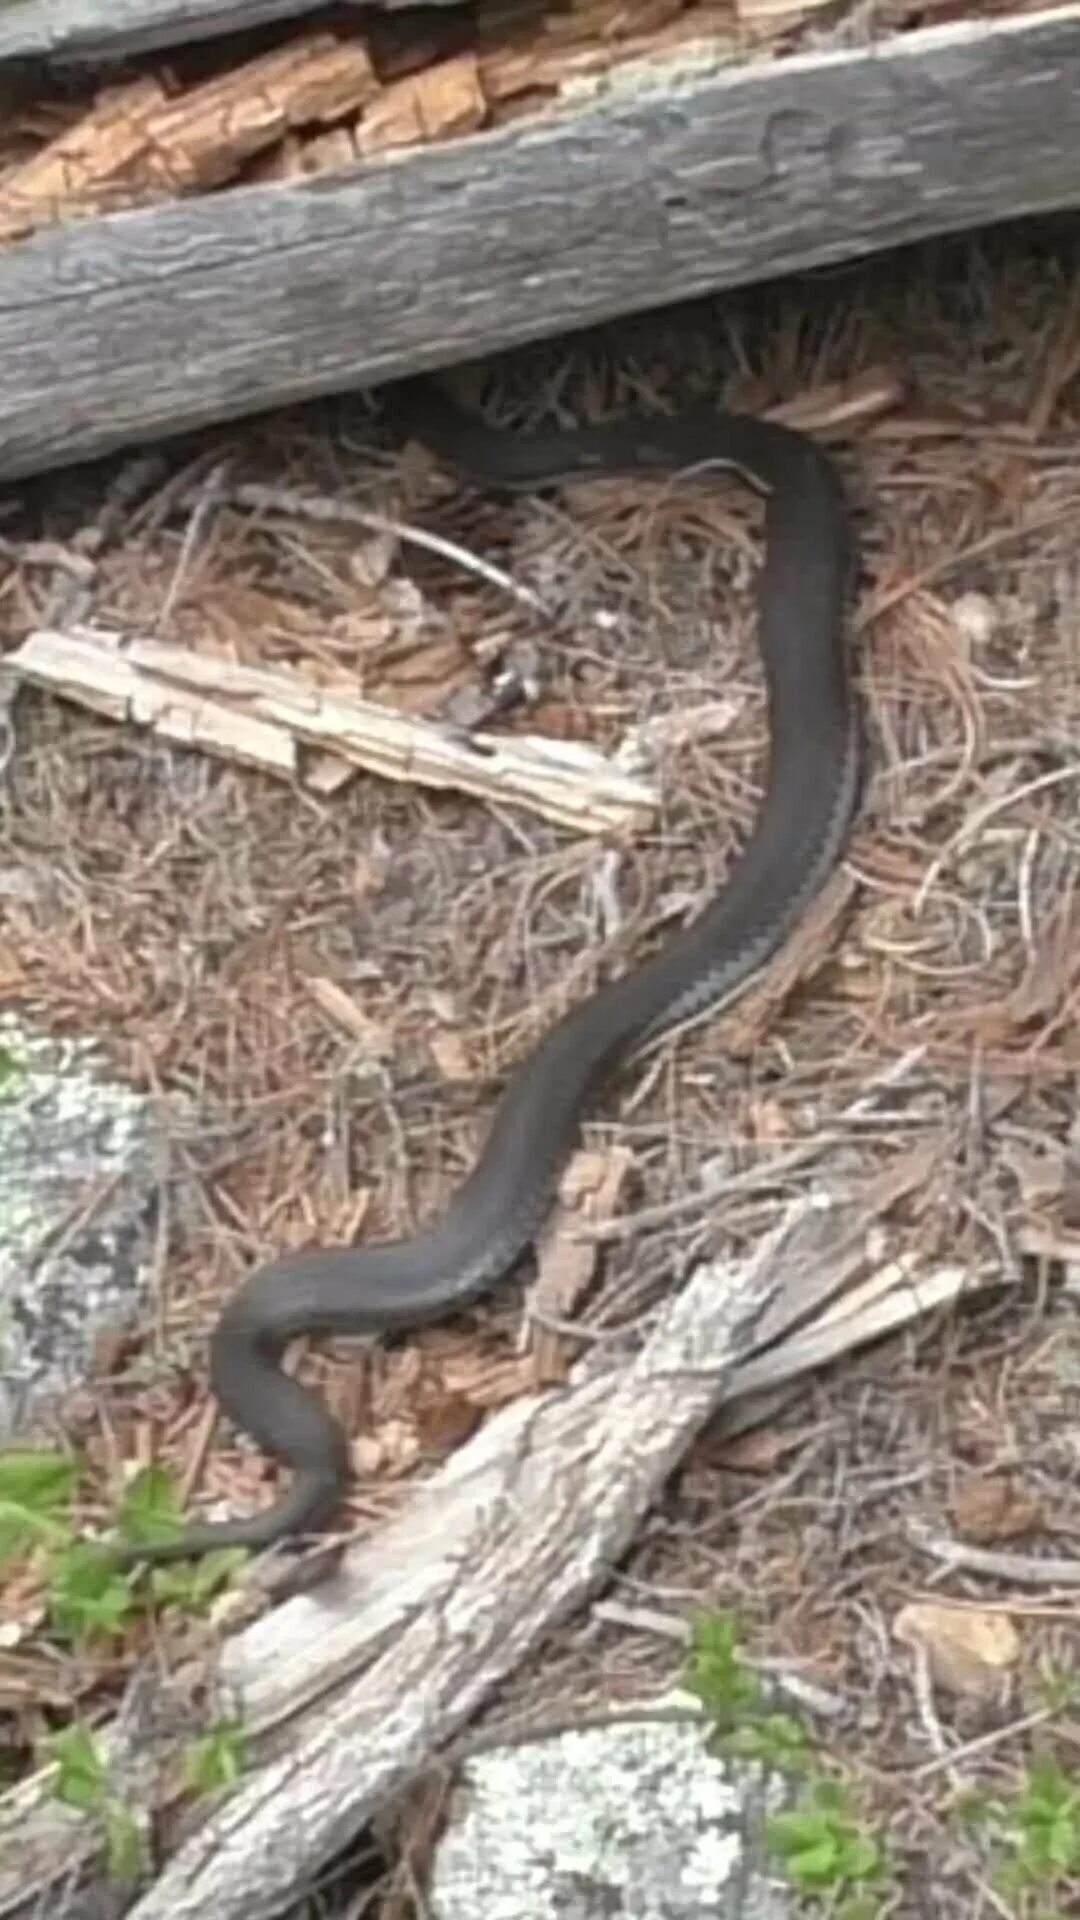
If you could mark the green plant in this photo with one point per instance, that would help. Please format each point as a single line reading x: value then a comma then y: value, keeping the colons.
x: 36, y: 1489
x: 89, y: 1594
x: 827, y: 1853
x: 733, y: 1696
x: 82, y: 1781
x: 150, y: 1512
x: 11, y: 1070
x: 149, y: 1508
x: 217, y: 1759
x: 716, y: 1670
x: 1035, y: 1838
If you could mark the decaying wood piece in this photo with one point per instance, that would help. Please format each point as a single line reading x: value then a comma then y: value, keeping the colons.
x: 568, y: 1254
x: 262, y: 716
x: 119, y: 328
x: 349, y: 1691
x: 320, y: 102
x: 139, y: 142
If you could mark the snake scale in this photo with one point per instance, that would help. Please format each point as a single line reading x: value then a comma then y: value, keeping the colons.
x: 811, y: 794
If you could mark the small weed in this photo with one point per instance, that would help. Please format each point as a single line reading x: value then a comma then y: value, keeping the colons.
x: 149, y: 1513
x: 1034, y: 1837
x: 12, y: 1073
x: 778, y: 1741
x: 717, y: 1673
x: 89, y: 1595
x: 826, y: 1852
x: 217, y: 1760
x: 149, y: 1510
x: 82, y: 1781
x: 36, y: 1489
x: 81, y: 1776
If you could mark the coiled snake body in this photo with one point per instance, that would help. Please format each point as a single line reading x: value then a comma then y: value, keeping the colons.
x: 811, y: 793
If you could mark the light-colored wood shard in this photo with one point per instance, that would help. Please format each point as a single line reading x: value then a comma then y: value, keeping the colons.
x: 264, y: 717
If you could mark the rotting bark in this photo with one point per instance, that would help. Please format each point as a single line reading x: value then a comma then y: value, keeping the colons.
x: 351, y: 1691
x: 125, y: 326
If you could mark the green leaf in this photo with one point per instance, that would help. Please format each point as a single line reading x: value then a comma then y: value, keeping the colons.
x: 87, y: 1595
x: 81, y: 1776
x: 796, y: 1829
x: 149, y: 1513
x: 194, y: 1586
x: 821, y: 1843
x: 36, y: 1487
x: 21, y: 1530
x: 125, y: 1853
x: 217, y: 1760
x: 716, y: 1671
x: 1046, y: 1823
x: 38, y: 1478
x: 774, y: 1741
x: 862, y: 1857
x: 11, y: 1068
x: 815, y: 1866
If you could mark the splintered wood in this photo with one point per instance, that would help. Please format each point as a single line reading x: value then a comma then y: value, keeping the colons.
x: 568, y: 1253
x: 263, y: 717
x: 140, y: 143
x: 325, y: 101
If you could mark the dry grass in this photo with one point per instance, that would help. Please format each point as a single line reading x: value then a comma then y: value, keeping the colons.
x: 188, y: 911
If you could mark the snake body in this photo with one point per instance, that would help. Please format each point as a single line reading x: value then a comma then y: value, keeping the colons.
x: 811, y: 792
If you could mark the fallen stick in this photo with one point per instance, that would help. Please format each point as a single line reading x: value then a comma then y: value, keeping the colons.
x: 263, y: 717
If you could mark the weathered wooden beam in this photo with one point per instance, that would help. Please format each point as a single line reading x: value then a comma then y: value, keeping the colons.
x: 63, y: 30
x: 116, y: 329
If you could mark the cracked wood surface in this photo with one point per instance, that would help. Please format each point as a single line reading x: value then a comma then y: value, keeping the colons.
x: 130, y: 325
x: 348, y: 1693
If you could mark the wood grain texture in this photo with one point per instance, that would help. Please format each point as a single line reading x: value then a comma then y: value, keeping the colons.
x: 350, y: 1692
x: 140, y: 324
x: 100, y: 29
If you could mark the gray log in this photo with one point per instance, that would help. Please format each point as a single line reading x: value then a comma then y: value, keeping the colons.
x: 64, y: 30
x: 114, y: 330
x: 349, y: 1692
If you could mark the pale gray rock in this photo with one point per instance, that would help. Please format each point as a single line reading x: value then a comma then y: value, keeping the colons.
x: 81, y: 1165
x: 631, y: 1821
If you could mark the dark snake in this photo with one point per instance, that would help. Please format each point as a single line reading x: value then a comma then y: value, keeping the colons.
x: 811, y: 794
